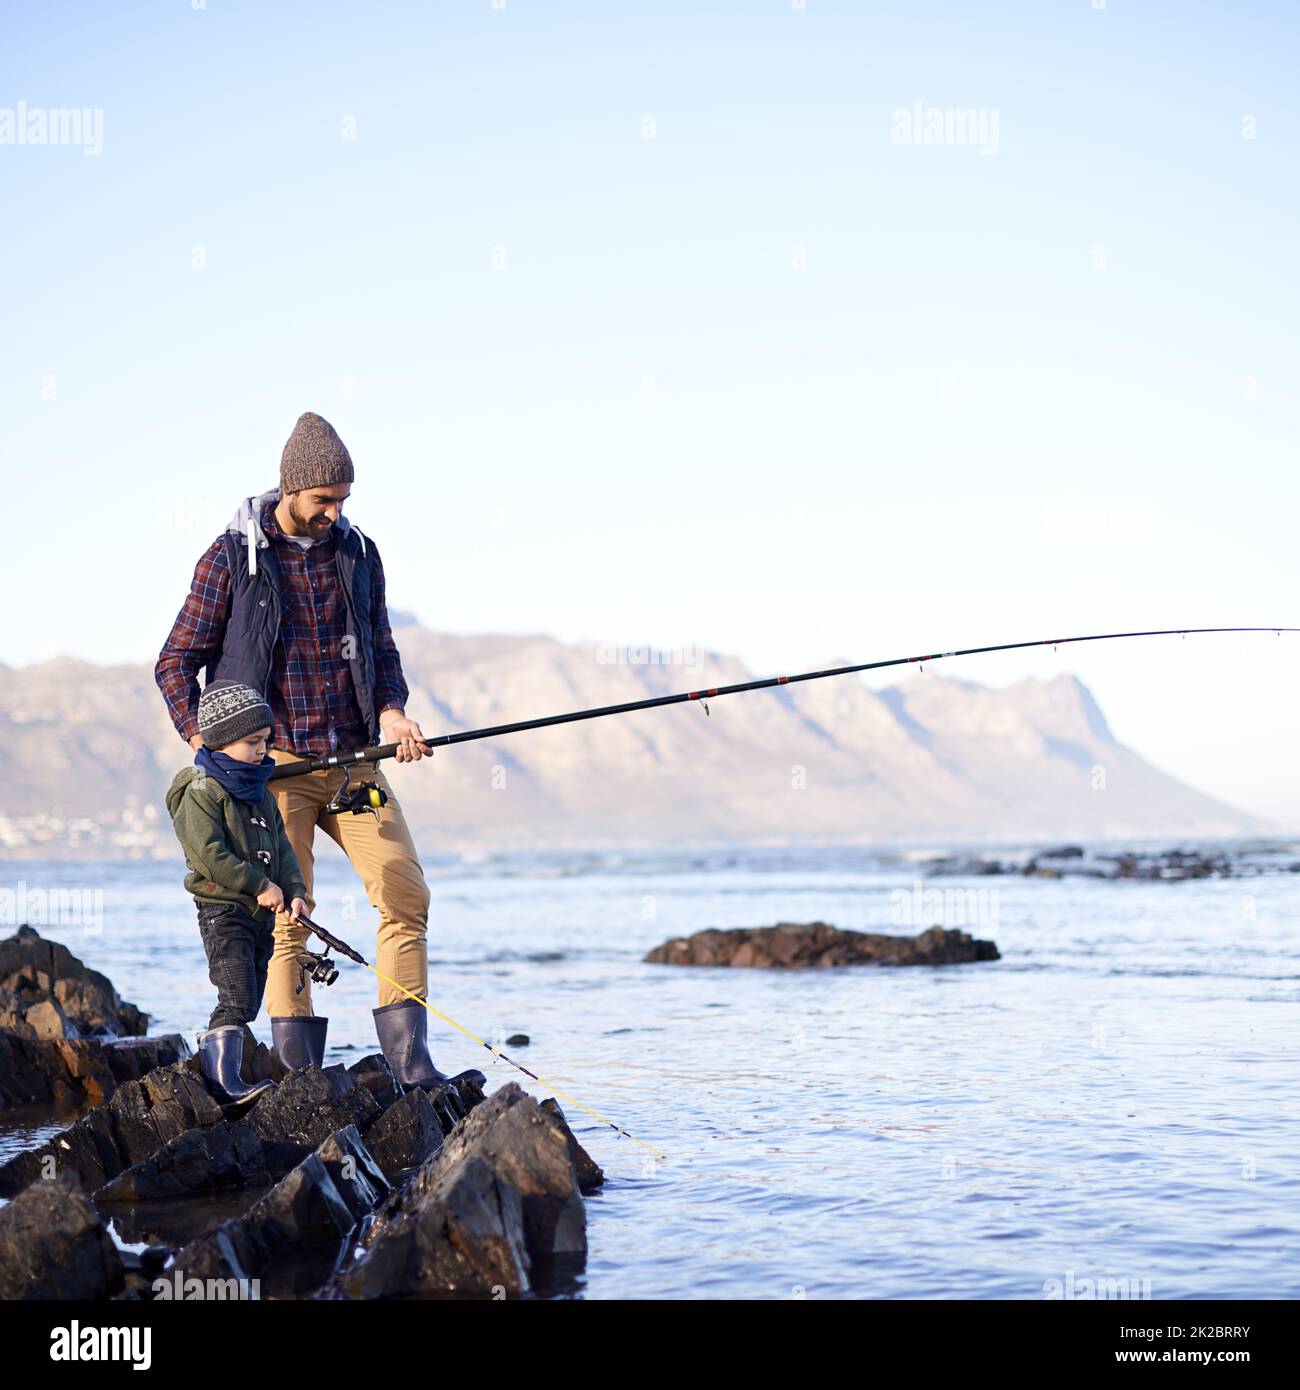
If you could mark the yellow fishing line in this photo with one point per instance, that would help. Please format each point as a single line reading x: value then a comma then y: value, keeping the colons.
x: 496, y: 1052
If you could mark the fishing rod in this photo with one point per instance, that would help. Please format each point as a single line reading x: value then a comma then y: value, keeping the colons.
x: 389, y: 750
x: 345, y: 950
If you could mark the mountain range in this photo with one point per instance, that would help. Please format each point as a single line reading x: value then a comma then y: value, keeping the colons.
x: 833, y: 761
x: 825, y: 762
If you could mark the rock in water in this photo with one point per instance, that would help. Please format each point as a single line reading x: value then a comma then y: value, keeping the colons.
x: 491, y: 1209
x: 501, y: 1208
x: 589, y: 1173
x: 228, y: 1154
x: 315, y: 1206
x: 34, y: 971
x: 142, y: 1118
x: 64, y: 1033
x: 309, y: 1105
x: 356, y: 1176
x: 54, y: 1244
x: 792, y: 946
x: 406, y: 1134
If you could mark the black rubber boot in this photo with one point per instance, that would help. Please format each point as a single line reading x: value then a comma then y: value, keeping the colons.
x: 299, y: 1041
x: 221, y: 1052
x: 403, y: 1030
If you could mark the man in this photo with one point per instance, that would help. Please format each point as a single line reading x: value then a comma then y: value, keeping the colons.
x: 290, y: 600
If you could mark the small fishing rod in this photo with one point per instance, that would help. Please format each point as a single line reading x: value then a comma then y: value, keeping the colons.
x: 389, y: 750
x: 345, y: 950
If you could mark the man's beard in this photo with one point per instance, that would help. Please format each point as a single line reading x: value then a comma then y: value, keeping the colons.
x: 300, y: 520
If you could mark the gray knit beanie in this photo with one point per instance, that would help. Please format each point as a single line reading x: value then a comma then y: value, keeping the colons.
x: 314, y: 456
x: 229, y: 711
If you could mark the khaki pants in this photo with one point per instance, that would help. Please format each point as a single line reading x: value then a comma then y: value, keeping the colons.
x: 384, y: 857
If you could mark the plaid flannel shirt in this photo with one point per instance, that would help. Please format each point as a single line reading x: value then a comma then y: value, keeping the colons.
x: 310, y: 684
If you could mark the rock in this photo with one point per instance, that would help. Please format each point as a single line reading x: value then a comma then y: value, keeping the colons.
x: 48, y: 1022
x: 66, y: 1036
x: 406, y: 1134
x: 309, y: 1105
x: 302, y: 1210
x: 141, y: 1118
x: 54, y: 1244
x: 316, y: 1205
x: 32, y: 1071
x: 449, y: 1231
x: 36, y: 970
x: 73, y: 1069
x: 356, y: 1175
x: 159, y: 1150
x: 228, y: 1154
x: 791, y: 945
x: 1169, y: 865
x: 491, y: 1210
x: 232, y: 1154
x: 951, y: 867
x: 589, y: 1173
x: 373, y: 1073
x: 222, y: 1254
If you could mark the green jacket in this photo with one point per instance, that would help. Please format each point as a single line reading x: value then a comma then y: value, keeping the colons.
x: 230, y: 856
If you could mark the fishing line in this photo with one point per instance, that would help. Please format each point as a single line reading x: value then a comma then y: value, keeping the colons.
x: 344, y: 949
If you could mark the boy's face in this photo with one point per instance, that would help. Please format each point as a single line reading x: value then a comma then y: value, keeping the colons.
x: 249, y: 749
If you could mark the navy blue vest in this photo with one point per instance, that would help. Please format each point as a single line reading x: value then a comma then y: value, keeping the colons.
x: 255, y: 606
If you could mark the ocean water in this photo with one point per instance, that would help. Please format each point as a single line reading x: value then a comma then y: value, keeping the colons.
x: 1114, y: 1101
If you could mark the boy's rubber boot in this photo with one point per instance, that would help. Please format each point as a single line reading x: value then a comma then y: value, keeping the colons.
x: 299, y: 1042
x: 221, y: 1051
x: 403, y: 1030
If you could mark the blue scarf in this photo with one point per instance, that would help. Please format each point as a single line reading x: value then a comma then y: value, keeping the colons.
x: 247, y: 781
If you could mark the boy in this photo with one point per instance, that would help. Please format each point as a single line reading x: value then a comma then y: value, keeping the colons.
x: 242, y: 869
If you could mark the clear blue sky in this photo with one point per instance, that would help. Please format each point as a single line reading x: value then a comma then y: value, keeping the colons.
x: 768, y: 381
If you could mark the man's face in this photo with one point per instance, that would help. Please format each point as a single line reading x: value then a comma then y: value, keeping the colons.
x: 316, y: 509
x: 249, y: 749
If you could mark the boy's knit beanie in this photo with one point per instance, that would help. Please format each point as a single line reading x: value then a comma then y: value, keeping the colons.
x: 229, y: 711
x: 314, y: 456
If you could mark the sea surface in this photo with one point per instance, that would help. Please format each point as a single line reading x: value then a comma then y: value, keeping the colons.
x: 1113, y: 1106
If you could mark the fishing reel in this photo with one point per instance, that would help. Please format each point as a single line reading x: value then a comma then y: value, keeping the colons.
x: 366, y: 797
x: 320, y: 968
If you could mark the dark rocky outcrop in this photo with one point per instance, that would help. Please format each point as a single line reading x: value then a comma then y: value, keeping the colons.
x: 373, y: 1073
x: 34, y: 971
x: 491, y: 1211
x: 315, y: 1206
x: 589, y: 1173
x: 141, y: 1118
x: 450, y: 1193
x: 792, y: 945
x: 309, y: 1105
x: 277, y: 1134
x: 65, y: 1035
x: 407, y: 1133
x: 54, y: 1244
x: 1166, y: 866
x: 228, y: 1154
